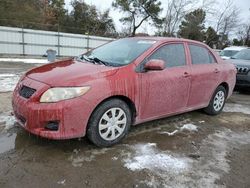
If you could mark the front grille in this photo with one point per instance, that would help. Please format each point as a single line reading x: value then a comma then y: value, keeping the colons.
x: 242, y: 70
x: 26, y: 92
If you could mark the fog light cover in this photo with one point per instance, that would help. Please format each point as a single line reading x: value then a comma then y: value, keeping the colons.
x: 52, y: 125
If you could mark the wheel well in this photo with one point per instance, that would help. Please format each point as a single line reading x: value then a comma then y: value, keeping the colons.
x: 225, y: 85
x: 127, y: 100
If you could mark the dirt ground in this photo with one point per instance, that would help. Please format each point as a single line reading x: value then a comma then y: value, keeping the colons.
x: 187, y: 150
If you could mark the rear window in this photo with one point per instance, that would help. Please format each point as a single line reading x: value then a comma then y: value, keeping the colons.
x: 200, y: 55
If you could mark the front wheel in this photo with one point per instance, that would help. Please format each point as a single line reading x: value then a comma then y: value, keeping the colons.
x: 109, y: 123
x: 217, y: 102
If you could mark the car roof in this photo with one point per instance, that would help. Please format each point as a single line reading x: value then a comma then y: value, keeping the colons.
x: 237, y: 48
x: 173, y: 39
x: 167, y: 39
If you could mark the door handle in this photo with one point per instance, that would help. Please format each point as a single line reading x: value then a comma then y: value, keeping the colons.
x: 186, y: 74
x: 216, y: 70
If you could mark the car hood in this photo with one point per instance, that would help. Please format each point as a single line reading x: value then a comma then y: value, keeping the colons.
x: 225, y: 57
x: 70, y: 73
x: 240, y: 62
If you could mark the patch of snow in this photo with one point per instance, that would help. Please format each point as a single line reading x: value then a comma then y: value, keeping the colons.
x: 7, y: 120
x: 230, y: 107
x: 62, y: 182
x: 114, y: 158
x: 189, y: 127
x: 170, y: 133
x: 76, y: 151
x: 202, y: 121
x: 7, y: 75
x: 147, y: 156
x: 8, y: 82
x: 163, y: 168
x: 24, y: 60
x: 78, y: 159
x: 166, y: 169
x: 186, y: 127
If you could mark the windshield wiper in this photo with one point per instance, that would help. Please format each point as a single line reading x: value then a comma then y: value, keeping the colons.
x: 84, y: 57
x: 80, y: 58
x: 94, y: 60
x: 99, y: 61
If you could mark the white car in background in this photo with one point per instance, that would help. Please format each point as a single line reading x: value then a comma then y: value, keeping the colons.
x: 218, y: 51
x: 228, y: 52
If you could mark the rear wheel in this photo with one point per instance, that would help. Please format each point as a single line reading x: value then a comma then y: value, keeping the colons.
x: 109, y: 123
x: 217, y: 102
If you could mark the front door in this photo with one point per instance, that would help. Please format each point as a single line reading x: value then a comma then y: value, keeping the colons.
x: 165, y: 92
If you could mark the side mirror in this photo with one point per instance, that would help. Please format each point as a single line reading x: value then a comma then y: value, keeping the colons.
x: 155, y: 64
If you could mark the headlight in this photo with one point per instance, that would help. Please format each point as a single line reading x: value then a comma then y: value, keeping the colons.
x: 62, y: 93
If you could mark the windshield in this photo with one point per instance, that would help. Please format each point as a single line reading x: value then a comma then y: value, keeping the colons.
x: 120, y: 52
x: 228, y: 53
x: 243, y: 54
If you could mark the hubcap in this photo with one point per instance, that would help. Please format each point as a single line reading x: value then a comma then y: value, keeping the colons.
x: 219, y: 100
x: 112, y: 124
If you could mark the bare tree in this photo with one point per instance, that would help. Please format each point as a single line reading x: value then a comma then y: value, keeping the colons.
x: 244, y: 34
x: 177, y: 9
x: 208, y: 6
x: 227, y: 18
x: 247, y: 35
x: 175, y: 13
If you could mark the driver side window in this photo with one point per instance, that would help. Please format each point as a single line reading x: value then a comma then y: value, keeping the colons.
x: 172, y: 54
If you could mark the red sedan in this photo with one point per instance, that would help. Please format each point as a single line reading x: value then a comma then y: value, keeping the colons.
x: 122, y: 83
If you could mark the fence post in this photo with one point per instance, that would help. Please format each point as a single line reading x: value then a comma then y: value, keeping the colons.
x: 23, y: 44
x: 58, y: 40
x: 87, y: 41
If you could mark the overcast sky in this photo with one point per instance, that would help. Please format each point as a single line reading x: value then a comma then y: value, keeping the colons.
x: 102, y: 5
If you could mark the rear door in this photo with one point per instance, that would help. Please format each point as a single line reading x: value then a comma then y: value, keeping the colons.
x: 205, y: 75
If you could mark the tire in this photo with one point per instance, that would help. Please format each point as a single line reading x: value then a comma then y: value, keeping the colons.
x: 109, y: 123
x: 214, y: 107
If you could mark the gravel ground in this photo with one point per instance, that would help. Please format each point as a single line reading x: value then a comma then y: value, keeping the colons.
x: 187, y: 150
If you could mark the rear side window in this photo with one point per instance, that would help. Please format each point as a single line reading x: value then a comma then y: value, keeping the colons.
x: 200, y: 55
x: 173, y: 54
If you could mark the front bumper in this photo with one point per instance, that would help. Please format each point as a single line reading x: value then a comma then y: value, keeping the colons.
x: 72, y: 115
x: 243, y: 80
